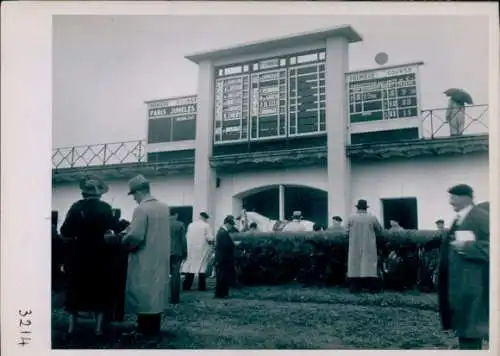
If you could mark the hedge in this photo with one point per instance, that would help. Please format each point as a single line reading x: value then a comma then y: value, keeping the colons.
x: 407, y: 258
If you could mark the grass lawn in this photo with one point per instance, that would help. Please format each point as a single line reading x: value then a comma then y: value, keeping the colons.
x: 287, y: 317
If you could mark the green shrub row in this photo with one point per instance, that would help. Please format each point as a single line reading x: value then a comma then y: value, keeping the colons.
x: 320, y: 258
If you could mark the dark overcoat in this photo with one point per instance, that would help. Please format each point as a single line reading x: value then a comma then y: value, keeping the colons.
x: 224, y: 256
x: 88, y: 263
x: 463, y: 284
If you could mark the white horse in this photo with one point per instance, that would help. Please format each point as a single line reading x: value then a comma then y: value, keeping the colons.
x: 265, y: 224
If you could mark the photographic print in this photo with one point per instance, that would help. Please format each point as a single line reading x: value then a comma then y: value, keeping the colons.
x: 270, y: 180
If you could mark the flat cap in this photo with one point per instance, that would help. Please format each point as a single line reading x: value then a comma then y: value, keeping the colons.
x: 461, y: 190
x: 439, y: 221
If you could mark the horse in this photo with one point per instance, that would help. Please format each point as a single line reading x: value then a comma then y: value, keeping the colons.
x: 265, y: 224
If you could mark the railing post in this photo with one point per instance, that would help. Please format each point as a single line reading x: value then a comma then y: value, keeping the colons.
x: 140, y: 151
x: 105, y: 156
x: 72, y: 163
x: 432, y: 123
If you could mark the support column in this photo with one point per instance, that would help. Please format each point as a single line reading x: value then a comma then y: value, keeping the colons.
x: 339, y: 188
x: 204, y: 175
x: 281, y: 202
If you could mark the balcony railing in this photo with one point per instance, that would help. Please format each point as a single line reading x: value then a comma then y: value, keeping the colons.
x: 434, y: 125
x: 99, y: 155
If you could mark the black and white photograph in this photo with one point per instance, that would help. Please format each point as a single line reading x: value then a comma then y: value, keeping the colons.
x: 280, y: 178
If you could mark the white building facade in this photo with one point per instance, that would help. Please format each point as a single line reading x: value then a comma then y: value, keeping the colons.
x: 282, y: 125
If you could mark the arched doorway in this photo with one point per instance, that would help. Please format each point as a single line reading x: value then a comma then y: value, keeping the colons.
x: 264, y: 201
x: 267, y: 201
x: 313, y: 203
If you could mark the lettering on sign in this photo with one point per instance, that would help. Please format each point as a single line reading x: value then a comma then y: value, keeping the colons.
x: 383, y: 94
x: 172, y: 120
x: 270, y: 98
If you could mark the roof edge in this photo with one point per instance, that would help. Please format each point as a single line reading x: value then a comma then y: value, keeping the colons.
x: 346, y: 31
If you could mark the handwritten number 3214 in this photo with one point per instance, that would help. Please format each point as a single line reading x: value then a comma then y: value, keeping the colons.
x: 24, y: 322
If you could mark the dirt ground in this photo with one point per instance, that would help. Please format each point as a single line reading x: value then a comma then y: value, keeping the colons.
x: 282, y: 317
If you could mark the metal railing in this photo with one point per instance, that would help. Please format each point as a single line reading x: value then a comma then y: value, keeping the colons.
x: 99, y: 154
x: 434, y: 125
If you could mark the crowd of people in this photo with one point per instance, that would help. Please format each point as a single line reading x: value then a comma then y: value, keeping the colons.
x: 160, y: 249
x: 158, y: 246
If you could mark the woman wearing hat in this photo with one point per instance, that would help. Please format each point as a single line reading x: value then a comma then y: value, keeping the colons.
x: 86, y: 224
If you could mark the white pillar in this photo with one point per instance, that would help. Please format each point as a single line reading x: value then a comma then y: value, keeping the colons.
x: 281, y: 202
x: 339, y: 189
x: 204, y: 175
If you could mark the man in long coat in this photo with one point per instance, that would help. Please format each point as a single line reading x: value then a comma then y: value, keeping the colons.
x: 148, y: 240
x: 178, y: 254
x: 362, y: 262
x: 455, y: 116
x: 200, y: 242
x: 463, y: 284
x: 224, y: 258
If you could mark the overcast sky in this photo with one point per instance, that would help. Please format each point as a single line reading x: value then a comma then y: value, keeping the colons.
x: 105, y: 67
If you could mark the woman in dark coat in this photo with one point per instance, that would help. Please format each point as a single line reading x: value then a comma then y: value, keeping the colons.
x: 89, y: 271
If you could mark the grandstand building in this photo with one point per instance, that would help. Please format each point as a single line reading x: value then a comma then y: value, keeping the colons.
x: 283, y: 125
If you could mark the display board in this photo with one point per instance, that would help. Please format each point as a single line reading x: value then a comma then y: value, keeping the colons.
x: 383, y: 94
x: 172, y: 119
x: 271, y: 98
x: 231, y: 109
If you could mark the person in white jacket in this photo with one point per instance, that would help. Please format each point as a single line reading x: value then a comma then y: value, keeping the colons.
x: 200, y: 242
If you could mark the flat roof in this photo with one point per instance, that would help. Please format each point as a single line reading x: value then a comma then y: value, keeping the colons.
x: 345, y: 31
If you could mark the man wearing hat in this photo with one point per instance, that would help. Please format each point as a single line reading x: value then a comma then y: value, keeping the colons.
x: 149, y: 242
x: 224, y: 258
x: 463, y: 284
x: 362, y: 263
x: 440, y: 224
x: 200, y: 248
x: 296, y: 223
x: 336, y: 225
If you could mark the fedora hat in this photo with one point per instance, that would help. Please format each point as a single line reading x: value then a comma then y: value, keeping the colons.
x: 137, y: 183
x: 93, y: 186
x: 362, y: 204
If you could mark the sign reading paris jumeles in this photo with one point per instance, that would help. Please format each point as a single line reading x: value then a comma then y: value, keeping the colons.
x: 172, y: 119
x: 271, y: 98
x: 382, y: 94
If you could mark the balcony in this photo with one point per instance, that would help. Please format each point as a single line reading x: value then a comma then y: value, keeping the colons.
x: 123, y: 159
x: 435, y: 137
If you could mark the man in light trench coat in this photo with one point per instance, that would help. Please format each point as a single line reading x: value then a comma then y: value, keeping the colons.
x: 200, y: 242
x: 362, y: 260
x: 148, y: 240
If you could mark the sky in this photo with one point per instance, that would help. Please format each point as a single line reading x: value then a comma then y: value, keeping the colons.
x: 105, y: 67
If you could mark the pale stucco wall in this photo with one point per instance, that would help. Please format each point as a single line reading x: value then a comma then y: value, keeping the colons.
x: 427, y: 179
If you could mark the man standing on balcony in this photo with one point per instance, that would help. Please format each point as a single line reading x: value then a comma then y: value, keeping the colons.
x: 455, y: 116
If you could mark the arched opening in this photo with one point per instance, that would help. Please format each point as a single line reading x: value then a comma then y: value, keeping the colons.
x: 312, y: 202
x: 264, y: 201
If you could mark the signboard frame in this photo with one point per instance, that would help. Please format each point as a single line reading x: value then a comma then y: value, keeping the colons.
x: 280, y: 63
x: 384, y: 124
x: 163, y: 104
